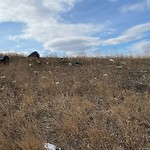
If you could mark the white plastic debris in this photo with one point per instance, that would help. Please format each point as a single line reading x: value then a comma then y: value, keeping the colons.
x: 36, y: 72
x: 57, y: 83
x: 2, y: 88
x: 49, y: 146
x: 3, y: 77
x: 44, y: 77
x: 123, y: 63
x: 70, y: 64
x: 118, y: 67
x: 105, y: 75
x: 143, y: 71
x: 112, y: 60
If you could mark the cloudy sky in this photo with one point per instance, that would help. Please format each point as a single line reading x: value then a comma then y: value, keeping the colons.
x: 75, y: 27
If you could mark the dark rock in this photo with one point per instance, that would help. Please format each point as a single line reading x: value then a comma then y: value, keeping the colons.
x: 34, y: 54
x: 5, y: 59
x: 76, y: 63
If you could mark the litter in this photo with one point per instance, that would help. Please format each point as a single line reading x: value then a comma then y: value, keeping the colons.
x: 49, y: 146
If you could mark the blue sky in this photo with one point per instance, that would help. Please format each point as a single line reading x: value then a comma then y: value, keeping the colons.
x: 75, y: 27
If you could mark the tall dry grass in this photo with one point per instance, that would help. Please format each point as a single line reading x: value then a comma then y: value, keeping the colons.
x: 76, y: 103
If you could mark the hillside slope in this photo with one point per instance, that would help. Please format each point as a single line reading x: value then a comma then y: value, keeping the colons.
x: 77, y: 104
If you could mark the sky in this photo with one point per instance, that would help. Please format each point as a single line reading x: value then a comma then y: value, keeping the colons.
x: 75, y: 27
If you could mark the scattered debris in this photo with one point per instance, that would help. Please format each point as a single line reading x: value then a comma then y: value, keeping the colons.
x: 70, y: 64
x: 143, y: 71
x: 36, y: 72
x: 2, y: 88
x: 115, y: 98
x: 111, y: 60
x: 3, y: 77
x: 44, y: 77
x: 105, y: 75
x: 57, y: 83
x: 49, y: 146
x: 38, y: 62
x: 123, y: 63
x: 118, y: 67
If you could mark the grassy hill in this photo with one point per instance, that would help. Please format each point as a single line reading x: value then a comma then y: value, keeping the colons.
x: 76, y: 103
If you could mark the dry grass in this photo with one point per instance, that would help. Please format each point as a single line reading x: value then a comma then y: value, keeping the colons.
x: 95, y: 104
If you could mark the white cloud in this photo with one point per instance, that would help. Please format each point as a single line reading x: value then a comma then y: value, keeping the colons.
x: 141, y: 48
x: 132, y: 34
x: 11, y: 38
x: 44, y: 23
x: 60, y: 36
x: 74, y: 43
x: 140, y: 6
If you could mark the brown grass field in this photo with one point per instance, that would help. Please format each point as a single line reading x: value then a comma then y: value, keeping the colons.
x: 75, y: 103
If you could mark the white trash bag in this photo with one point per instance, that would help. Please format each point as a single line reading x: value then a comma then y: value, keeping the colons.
x: 49, y: 146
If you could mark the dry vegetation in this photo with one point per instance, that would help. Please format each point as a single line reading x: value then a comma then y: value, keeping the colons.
x: 76, y: 104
